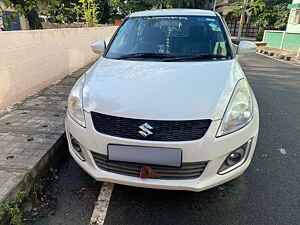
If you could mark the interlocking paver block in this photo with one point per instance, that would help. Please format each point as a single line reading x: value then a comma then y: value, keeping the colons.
x: 32, y: 122
x: 56, y: 90
x: 30, y: 133
x: 3, y: 180
x: 41, y: 102
x: 68, y: 81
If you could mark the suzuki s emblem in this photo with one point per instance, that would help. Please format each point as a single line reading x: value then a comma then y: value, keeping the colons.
x: 145, y: 130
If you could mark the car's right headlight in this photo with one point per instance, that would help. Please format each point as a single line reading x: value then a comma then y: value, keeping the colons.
x: 239, y: 111
x: 75, y: 107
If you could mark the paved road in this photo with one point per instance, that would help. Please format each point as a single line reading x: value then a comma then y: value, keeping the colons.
x: 68, y: 200
x: 267, y: 193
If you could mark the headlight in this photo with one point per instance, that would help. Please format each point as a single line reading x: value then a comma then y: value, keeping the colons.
x: 239, y: 111
x: 75, y: 108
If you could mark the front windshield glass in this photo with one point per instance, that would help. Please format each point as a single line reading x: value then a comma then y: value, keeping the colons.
x: 176, y: 36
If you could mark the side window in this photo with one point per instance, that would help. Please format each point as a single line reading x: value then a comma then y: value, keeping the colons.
x: 295, y: 16
x: 122, y: 40
x: 119, y: 39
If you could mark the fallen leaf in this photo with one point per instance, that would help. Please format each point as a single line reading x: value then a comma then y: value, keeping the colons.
x: 30, y: 138
x: 51, y: 214
x: 283, y: 151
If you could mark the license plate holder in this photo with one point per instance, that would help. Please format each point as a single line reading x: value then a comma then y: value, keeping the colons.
x: 145, y: 155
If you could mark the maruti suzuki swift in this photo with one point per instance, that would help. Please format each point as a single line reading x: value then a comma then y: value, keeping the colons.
x: 166, y: 106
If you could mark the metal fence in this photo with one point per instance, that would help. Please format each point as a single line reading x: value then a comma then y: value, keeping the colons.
x: 248, y: 30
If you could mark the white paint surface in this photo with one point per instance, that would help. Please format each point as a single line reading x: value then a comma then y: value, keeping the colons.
x: 101, y: 207
x: 161, y: 90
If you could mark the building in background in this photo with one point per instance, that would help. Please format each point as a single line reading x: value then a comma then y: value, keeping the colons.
x: 8, y: 15
x: 289, y: 39
x: 294, y: 19
x: 225, y: 9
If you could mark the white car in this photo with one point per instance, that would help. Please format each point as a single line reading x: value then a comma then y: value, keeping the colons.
x: 167, y: 105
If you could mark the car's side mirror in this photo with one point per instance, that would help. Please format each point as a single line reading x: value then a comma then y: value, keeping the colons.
x: 99, y: 47
x: 246, y: 48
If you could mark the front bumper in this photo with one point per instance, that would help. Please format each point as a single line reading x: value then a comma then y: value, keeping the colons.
x: 209, y: 148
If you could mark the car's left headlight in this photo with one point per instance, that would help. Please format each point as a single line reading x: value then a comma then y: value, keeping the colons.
x: 75, y: 107
x: 239, y: 111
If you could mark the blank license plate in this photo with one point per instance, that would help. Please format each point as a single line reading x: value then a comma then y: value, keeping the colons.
x: 145, y: 155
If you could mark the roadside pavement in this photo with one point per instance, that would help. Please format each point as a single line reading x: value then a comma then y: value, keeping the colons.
x: 31, y: 134
x: 286, y: 55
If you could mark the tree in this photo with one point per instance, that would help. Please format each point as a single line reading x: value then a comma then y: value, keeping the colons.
x: 63, y: 11
x: 69, y: 11
x: 105, y: 9
x: 125, y: 7
x: 266, y: 14
x: 194, y: 4
x: 89, y: 9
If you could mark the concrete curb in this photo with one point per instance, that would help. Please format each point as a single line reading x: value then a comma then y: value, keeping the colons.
x: 32, y: 137
x: 276, y: 55
x: 25, y: 182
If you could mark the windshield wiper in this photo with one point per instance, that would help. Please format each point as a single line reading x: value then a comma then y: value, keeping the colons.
x: 147, y: 55
x: 203, y: 56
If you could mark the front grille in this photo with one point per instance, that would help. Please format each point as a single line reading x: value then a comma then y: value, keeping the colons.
x: 163, y: 130
x: 187, y: 171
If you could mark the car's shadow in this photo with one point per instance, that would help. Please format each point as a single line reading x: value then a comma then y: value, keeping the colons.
x: 131, y: 205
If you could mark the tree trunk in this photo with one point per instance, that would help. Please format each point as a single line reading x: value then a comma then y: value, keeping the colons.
x: 34, y: 20
x: 31, y: 16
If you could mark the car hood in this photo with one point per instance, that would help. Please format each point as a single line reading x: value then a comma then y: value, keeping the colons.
x: 160, y: 90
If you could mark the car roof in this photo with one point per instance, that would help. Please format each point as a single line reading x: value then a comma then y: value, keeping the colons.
x: 174, y: 12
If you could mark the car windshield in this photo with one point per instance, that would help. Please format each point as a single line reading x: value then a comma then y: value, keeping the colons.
x: 167, y: 37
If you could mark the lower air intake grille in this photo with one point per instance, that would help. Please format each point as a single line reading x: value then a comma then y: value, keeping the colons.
x: 187, y: 171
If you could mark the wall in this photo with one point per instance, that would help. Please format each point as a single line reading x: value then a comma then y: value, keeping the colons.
x: 273, y: 39
x: 31, y: 60
x: 291, y: 41
x: 282, y: 40
x: 47, y: 25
